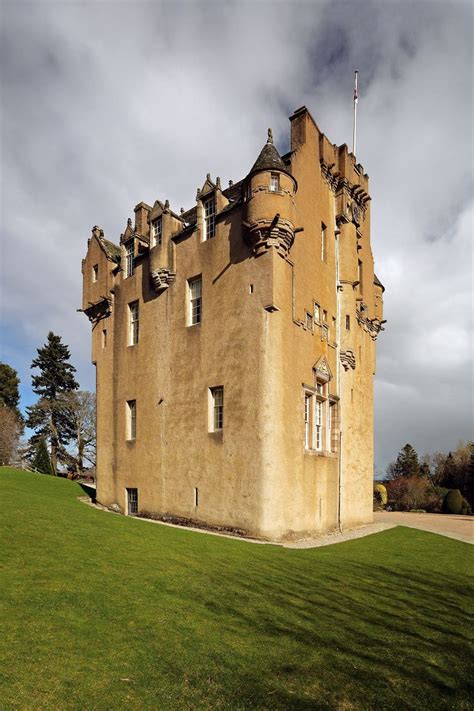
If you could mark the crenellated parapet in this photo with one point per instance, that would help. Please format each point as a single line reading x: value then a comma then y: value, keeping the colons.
x: 162, y: 278
x: 372, y: 326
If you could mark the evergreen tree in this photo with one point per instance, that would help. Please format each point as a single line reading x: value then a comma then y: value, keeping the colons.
x: 450, y: 473
x: 9, y: 393
x: 41, y: 461
x: 406, y: 464
x: 50, y: 416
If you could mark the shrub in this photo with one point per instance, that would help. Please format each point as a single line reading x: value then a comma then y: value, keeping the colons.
x: 466, y: 508
x: 452, y: 502
x: 380, y: 496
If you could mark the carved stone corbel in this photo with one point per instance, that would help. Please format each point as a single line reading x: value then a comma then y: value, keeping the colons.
x: 162, y: 278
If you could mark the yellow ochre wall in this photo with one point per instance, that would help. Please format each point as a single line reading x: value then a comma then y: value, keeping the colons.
x: 261, y: 274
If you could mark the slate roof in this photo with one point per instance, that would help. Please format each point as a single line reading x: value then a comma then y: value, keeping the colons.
x: 111, y: 250
x: 378, y: 282
x: 269, y: 158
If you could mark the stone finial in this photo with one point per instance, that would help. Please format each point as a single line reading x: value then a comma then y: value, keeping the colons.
x: 231, y: 182
x: 198, y: 193
x: 129, y: 222
x: 181, y: 211
x: 270, y: 136
x: 97, y: 231
x: 167, y: 204
x: 218, y: 183
x: 208, y: 177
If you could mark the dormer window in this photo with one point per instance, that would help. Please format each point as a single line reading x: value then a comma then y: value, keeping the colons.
x: 209, y: 218
x: 129, y: 259
x: 274, y: 182
x: 156, y: 231
x: 95, y: 272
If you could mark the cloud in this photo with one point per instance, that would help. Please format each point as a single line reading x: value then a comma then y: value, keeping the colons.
x: 107, y: 104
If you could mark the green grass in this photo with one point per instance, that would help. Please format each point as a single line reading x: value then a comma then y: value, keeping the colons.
x: 105, y: 612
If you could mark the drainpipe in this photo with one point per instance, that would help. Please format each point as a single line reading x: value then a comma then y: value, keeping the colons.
x: 338, y: 379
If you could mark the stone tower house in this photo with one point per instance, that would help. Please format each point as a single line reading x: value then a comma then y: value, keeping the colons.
x: 234, y: 346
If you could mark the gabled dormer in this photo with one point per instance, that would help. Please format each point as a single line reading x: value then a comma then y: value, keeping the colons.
x: 210, y: 202
x: 163, y: 224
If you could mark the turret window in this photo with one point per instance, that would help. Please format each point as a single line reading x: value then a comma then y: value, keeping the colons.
x: 156, y: 231
x: 95, y: 272
x: 274, y: 182
x: 210, y: 218
x: 131, y: 419
x: 217, y: 409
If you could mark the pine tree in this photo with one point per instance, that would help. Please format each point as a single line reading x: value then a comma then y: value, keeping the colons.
x: 9, y: 394
x: 41, y: 461
x: 50, y: 417
x: 407, y: 463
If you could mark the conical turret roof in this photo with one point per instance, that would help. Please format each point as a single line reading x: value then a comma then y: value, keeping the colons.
x: 269, y: 158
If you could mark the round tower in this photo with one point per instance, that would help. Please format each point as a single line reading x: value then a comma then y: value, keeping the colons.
x: 269, y: 192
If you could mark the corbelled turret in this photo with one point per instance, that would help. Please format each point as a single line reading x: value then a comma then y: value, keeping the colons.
x: 268, y: 193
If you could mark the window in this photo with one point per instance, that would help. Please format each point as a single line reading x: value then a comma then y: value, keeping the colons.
x: 309, y: 321
x: 217, y: 404
x: 95, y: 272
x: 195, y: 301
x: 132, y: 502
x: 317, y: 315
x: 274, y: 183
x: 156, y: 231
x: 131, y: 419
x: 333, y: 427
x: 134, y: 318
x: 129, y: 265
x: 104, y: 338
x: 323, y: 242
x: 359, y: 274
x: 307, y: 419
x: 317, y: 427
x: 210, y: 217
x: 325, y: 316
x: 348, y: 323
x: 325, y: 332
x: 196, y: 496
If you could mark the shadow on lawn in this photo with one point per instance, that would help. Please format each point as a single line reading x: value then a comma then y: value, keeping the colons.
x: 385, y: 639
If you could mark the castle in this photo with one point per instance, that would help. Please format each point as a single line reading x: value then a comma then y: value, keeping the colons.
x: 234, y: 346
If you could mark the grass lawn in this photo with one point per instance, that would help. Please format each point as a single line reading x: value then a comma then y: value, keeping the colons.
x: 105, y: 612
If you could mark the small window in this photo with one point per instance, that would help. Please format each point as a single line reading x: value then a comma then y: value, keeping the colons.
x: 131, y: 419
x: 348, y: 322
x: 210, y: 218
x: 156, y: 231
x: 317, y: 313
x: 325, y: 316
x: 104, y: 338
x: 274, y: 183
x: 217, y: 405
x: 325, y: 332
x: 359, y: 275
x: 309, y: 322
x: 95, y: 272
x: 134, y: 321
x: 129, y: 260
x: 196, y: 496
x: 195, y: 301
x: 323, y: 242
x: 132, y: 502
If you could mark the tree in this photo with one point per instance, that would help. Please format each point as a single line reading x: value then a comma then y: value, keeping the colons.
x: 9, y: 393
x: 81, y: 406
x: 10, y: 431
x: 50, y: 417
x: 406, y: 464
x: 41, y: 461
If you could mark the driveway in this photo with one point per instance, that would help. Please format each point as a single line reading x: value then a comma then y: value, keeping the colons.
x: 459, y: 527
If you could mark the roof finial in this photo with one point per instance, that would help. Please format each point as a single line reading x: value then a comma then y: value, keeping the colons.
x: 270, y: 136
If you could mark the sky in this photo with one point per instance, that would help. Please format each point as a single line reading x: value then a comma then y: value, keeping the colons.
x: 104, y: 104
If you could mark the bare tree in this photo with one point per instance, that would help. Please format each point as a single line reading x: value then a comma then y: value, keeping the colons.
x: 81, y: 413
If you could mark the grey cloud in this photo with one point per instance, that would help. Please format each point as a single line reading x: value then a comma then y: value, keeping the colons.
x: 107, y: 104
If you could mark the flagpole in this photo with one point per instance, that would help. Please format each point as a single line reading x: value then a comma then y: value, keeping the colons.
x: 354, y: 125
